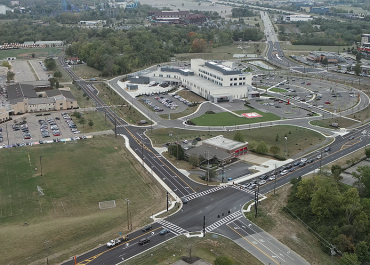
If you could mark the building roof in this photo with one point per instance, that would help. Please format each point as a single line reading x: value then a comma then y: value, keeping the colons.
x: 202, y: 149
x: 222, y: 68
x: 222, y: 142
x: 69, y: 96
x: 20, y: 91
x: 36, y: 101
x: 171, y: 13
x: 53, y: 93
x: 41, y: 83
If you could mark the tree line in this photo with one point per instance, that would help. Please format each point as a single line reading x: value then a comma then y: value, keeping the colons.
x: 339, y: 213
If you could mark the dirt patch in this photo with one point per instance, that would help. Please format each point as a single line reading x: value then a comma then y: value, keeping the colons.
x: 190, y: 96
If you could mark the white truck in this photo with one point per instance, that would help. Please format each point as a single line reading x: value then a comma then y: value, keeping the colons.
x: 117, y: 241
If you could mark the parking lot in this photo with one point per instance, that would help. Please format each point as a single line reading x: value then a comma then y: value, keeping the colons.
x: 32, y: 128
x: 22, y: 71
x: 164, y: 103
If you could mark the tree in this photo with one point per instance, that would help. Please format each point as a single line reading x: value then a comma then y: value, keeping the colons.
x: 367, y: 152
x: 91, y: 123
x: 194, y: 160
x: 50, y: 64
x: 252, y: 145
x: 325, y: 61
x: 33, y: 55
x: 362, y: 174
x: 262, y: 148
x: 224, y: 260
x: 358, y: 56
x: 58, y: 74
x: 10, y: 76
x: 82, y: 121
x: 335, y: 167
x: 239, y: 136
x: 349, y: 258
x: 274, y: 150
x: 336, y: 170
x: 357, y: 68
x: 174, y: 148
x: 6, y: 64
x: 362, y: 251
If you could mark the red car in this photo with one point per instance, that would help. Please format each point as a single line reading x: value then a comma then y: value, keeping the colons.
x: 327, y: 102
x: 280, y: 101
x: 308, y: 84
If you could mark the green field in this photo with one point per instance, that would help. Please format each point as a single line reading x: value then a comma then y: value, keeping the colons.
x: 342, y: 122
x: 228, y: 119
x: 76, y: 177
x: 86, y: 72
x: 38, y: 52
x: 298, y: 139
x: 279, y: 90
x: 206, y: 248
x: 100, y: 122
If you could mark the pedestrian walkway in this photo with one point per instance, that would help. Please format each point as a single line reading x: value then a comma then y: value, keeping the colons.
x: 200, y: 194
x: 225, y: 220
x: 174, y: 228
x: 238, y: 187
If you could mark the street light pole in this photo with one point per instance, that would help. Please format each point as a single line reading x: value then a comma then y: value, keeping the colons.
x: 275, y: 179
x: 128, y: 219
x: 286, y: 139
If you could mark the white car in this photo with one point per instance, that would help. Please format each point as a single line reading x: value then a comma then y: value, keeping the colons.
x: 272, y: 177
x: 318, y: 157
x: 185, y: 141
x: 303, y: 160
x: 76, y: 132
x: 262, y: 182
x: 284, y: 172
x: 186, y: 148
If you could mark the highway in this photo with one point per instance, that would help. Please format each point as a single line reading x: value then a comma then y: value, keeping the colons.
x: 209, y: 209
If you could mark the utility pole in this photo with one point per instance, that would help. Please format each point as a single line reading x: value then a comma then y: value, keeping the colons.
x: 128, y: 218
x: 320, y: 161
x: 275, y: 179
x: 142, y: 153
x: 223, y: 173
x: 256, y: 199
x: 167, y: 201
x: 286, y: 139
x: 41, y: 166
x: 204, y: 226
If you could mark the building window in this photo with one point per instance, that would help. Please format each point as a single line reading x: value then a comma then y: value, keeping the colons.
x: 235, y: 84
x: 60, y: 104
x: 61, y: 107
x: 240, y: 84
x: 240, y: 78
x: 243, y: 78
x: 235, y: 78
x: 231, y: 79
x: 231, y: 84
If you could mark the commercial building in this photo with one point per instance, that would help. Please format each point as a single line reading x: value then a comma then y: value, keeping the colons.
x: 211, y: 80
x: 176, y: 17
x: 26, y: 97
x: 320, y: 10
x: 4, y: 9
x: 295, y: 18
x: 365, y: 38
x: 319, y: 56
x: 224, y: 149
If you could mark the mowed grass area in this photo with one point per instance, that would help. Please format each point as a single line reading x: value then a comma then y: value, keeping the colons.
x: 279, y: 90
x: 86, y: 72
x: 360, y: 115
x: 76, y: 177
x: 298, y: 138
x: 174, y: 116
x: 206, y: 248
x: 82, y: 101
x: 228, y: 119
x: 37, y: 51
x: 342, y: 122
x: 221, y: 53
x: 98, y: 118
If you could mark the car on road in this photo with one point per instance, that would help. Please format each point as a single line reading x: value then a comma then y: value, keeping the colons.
x: 164, y: 231
x: 143, y: 241
x: 263, y: 177
x: 146, y: 228
x: 296, y: 163
x: 303, y: 159
x: 272, y: 177
x: 284, y: 172
x: 185, y: 141
x: 327, y: 149
x: 262, y: 182
x: 351, y: 138
x: 292, y: 169
x: 302, y: 164
x: 318, y: 157
x: 184, y: 200
x: 252, y: 186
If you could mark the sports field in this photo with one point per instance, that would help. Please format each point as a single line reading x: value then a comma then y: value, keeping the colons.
x: 27, y: 52
x: 76, y: 177
x: 228, y: 119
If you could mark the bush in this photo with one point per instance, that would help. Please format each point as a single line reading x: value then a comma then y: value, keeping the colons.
x: 280, y: 157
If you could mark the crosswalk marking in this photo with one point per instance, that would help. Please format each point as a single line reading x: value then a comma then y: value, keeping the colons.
x: 244, y: 189
x: 174, y: 228
x: 200, y: 194
x: 227, y: 219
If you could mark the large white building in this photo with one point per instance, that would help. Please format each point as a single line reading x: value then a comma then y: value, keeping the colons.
x: 295, y: 18
x: 211, y: 80
x: 3, y: 9
x: 365, y: 38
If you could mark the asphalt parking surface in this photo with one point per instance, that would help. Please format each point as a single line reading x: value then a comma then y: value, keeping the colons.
x: 181, y: 106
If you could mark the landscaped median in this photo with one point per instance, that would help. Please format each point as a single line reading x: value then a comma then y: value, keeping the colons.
x: 229, y: 119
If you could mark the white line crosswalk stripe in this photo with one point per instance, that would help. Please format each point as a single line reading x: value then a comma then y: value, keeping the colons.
x: 174, y: 228
x: 227, y: 219
x: 200, y: 194
x: 244, y: 189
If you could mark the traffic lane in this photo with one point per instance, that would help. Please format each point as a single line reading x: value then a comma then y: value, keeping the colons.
x: 211, y: 206
x: 126, y: 251
x: 104, y: 250
x: 267, y: 248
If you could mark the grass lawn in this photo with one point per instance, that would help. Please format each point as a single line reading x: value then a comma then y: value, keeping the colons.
x: 81, y: 100
x: 221, y: 53
x: 76, y: 177
x: 206, y: 248
x: 130, y: 115
x: 98, y: 118
x: 361, y: 115
x: 39, y: 52
x: 279, y: 90
x: 287, y: 230
x: 174, y: 116
x: 228, y: 119
x: 108, y: 95
x: 190, y: 96
x: 343, y: 122
x: 298, y: 139
x: 287, y: 47
x: 86, y: 72
x: 65, y: 76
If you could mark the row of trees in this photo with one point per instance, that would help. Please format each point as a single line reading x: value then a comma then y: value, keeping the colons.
x: 338, y: 212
